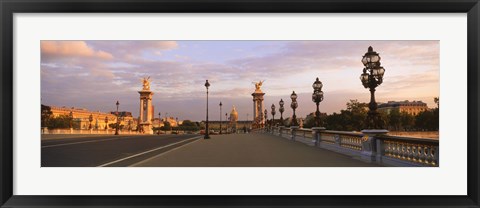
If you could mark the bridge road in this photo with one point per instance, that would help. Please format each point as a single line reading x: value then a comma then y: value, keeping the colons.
x: 250, y: 150
x: 111, y: 150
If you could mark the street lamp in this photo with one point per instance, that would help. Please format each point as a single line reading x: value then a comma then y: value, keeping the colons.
x: 294, y: 106
x: 273, y: 115
x: 282, y: 109
x: 106, y: 122
x: 265, y: 113
x: 71, y: 119
x: 226, y: 127
x: 159, y: 122
x: 90, y: 118
x: 206, y: 125
x: 317, y: 97
x: 372, y: 77
x: 220, y: 117
x: 118, y: 123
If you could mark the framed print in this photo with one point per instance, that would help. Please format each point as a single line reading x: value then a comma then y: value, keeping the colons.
x: 266, y: 103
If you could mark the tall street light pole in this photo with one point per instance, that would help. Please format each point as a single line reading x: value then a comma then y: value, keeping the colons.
x: 273, y: 114
x: 281, y: 110
x: 226, y: 125
x: 371, y: 78
x: 265, y: 113
x: 118, y: 123
x: 317, y: 97
x: 207, y: 136
x: 294, y: 106
x: 90, y: 118
x: 106, y: 122
x: 220, y: 117
x: 159, y: 122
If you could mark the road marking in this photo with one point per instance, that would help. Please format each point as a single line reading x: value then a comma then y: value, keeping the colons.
x: 148, y: 159
x: 142, y: 153
x: 89, y: 141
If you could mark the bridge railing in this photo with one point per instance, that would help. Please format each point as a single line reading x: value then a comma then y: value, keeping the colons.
x: 370, y: 147
x: 85, y: 131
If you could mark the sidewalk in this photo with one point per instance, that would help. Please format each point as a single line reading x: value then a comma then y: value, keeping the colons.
x: 250, y: 150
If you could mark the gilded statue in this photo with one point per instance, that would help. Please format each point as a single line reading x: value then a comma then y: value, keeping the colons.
x: 146, y: 83
x: 258, y: 85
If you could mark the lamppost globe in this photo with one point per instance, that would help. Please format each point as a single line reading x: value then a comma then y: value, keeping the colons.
x: 207, y: 84
x: 317, y: 85
x: 293, y: 96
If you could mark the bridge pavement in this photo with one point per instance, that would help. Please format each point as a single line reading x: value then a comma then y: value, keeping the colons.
x: 250, y: 150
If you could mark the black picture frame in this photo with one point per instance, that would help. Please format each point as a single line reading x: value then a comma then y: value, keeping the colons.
x: 10, y: 7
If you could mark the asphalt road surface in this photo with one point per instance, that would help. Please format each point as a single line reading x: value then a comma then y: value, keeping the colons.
x: 108, y: 151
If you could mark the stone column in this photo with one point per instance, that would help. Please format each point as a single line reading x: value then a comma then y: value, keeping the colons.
x: 294, y: 131
x: 317, y: 134
x: 369, y: 144
x: 141, y: 110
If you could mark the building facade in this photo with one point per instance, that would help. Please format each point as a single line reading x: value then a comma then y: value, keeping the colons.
x: 410, y: 107
x: 85, y: 119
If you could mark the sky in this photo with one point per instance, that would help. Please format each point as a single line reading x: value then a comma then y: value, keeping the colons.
x: 95, y: 74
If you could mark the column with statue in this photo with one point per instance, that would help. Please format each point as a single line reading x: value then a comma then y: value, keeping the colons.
x: 145, y: 118
x: 258, y: 117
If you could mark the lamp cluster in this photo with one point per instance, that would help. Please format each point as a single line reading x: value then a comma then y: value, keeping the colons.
x: 372, y: 77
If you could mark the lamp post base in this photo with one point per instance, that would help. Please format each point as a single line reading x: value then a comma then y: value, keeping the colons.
x: 206, y: 137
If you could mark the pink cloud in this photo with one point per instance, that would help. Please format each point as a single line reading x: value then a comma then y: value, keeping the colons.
x: 72, y: 49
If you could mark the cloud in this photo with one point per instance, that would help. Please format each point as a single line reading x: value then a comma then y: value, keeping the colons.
x: 73, y: 78
x: 131, y: 50
x: 71, y: 49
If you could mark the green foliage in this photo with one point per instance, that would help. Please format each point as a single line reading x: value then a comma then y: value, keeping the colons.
x: 351, y: 119
x: 166, y: 126
x: 114, y: 126
x: 46, y: 115
x: 309, y: 121
x: 59, y: 122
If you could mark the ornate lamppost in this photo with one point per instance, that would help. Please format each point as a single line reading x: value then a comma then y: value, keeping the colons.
x: 106, y: 122
x: 281, y: 110
x: 71, y: 119
x: 220, y: 117
x: 90, y: 118
x: 317, y: 97
x: 118, y: 122
x: 159, y: 122
x: 265, y: 113
x: 207, y: 136
x: 176, y: 120
x: 226, y: 127
x: 273, y: 114
x: 372, y: 77
x: 294, y: 106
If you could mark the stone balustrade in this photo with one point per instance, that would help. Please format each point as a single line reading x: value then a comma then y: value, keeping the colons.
x: 368, y: 146
x: 85, y: 131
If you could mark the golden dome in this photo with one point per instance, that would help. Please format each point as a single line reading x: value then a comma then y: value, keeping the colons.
x: 234, y: 114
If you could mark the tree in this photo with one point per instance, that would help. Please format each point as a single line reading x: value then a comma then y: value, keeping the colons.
x: 59, y: 122
x: 166, y: 126
x: 46, y: 115
x: 394, y: 119
x: 309, y: 121
x: 408, y: 121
